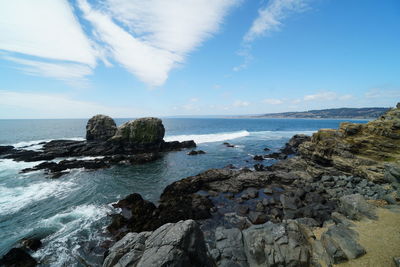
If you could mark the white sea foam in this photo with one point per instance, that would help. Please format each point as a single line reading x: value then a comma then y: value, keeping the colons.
x: 208, y: 138
x: 15, y: 198
x: 74, y: 227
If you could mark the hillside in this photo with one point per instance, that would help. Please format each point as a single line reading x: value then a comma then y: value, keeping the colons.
x: 338, y: 113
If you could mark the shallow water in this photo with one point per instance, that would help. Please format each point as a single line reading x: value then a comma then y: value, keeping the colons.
x: 70, y: 213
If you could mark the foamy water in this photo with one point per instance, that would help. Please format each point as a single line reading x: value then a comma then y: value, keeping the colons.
x: 208, y: 138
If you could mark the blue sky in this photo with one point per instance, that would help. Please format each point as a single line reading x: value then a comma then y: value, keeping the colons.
x: 74, y: 59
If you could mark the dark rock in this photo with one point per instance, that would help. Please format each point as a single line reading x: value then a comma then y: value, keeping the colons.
x: 259, y: 167
x: 100, y: 127
x: 292, y: 146
x: 242, y: 209
x: 258, y: 157
x: 6, y: 149
x: 257, y: 217
x: 17, y: 257
x: 228, y: 144
x: 196, y: 152
x: 31, y: 243
x: 397, y: 259
x: 266, y: 149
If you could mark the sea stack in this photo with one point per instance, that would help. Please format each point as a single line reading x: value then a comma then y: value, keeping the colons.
x: 100, y: 128
x: 141, y: 133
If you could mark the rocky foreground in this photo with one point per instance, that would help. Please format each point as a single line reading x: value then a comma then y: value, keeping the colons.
x: 316, y: 208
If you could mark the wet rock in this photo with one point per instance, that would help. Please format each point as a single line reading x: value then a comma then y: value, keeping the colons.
x: 242, y: 209
x: 100, y: 128
x: 258, y: 157
x: 31, y: 243
x: 6, y: 149
x: 268, y: 191
x: 266, y: 149
x: 228, y: 144
x: 196, y: 152
x: 17, y: 257
x: 173, y: 244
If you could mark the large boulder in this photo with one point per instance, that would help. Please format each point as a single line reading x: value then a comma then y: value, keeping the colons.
x: 100, y: 128
x: 17, y: 257
x: 141, y: 132
x: 174, y: 244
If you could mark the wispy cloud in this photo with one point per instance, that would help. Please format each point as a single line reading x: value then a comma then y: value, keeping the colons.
x: 57, y: 106
x: 270, y: 18
x: 73, y: 73
x: 327, y: 95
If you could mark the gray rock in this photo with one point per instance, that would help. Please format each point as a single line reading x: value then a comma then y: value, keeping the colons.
x: 173, y: 244
x: 256, y: 217
x: 268, y: 191
x: 355, y: 207
x: 340, y: 240
x: 340, y: 218
x: 281, y: 244
x: 229, y: 243
x: 100, y: 128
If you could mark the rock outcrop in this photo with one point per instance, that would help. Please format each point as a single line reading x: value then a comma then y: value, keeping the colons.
x: 100, y: 128
x: 175, y: 245
x: 143, y: 133
x: 17, y: 257
x: 370, y: 150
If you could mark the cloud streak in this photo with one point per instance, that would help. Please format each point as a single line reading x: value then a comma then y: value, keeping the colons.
x: 271, y: 16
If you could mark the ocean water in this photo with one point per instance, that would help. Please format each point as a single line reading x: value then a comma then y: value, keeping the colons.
x: 70, y: 214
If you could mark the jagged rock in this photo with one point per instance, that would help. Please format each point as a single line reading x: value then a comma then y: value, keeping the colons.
x: 397, y: 259
x: 100, y: 128
x: 282, y: 244
x: 179, y: 244
x: 355, y: 207
x: 17, y: 257
x: 143, y: 132
x: 258, y: 157
x: 340, y: 243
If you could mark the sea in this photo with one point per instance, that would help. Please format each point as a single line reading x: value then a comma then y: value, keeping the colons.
x: 70, y: 214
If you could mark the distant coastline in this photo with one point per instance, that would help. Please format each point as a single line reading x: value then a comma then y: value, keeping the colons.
x: 334, y: 113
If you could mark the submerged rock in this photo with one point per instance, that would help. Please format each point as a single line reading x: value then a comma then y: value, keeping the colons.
x: 100, y: 128
x: 17, y: 257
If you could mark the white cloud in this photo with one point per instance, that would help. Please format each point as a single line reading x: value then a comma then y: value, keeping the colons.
x: 44, y: 28
x: 270, y: 17
x: 345, y: 97
x: 272, y: 101
x: 161, y: 33
x: 56, y: 106
x: 240, y: 103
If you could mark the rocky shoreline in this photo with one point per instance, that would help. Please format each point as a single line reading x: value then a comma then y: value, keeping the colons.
x: 301, y: 211
x: 270, y: 216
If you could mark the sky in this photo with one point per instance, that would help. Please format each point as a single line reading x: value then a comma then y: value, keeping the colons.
x: 133, y: 58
